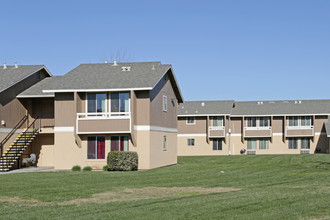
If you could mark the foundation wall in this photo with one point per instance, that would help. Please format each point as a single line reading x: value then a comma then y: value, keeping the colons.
x: 201, y: 148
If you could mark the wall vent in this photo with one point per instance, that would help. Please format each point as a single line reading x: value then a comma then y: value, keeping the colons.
x: 260, y: 103
x: 304, y: 151
x: 203, y: 104
x: 251, y: 152
x: 126, y: 68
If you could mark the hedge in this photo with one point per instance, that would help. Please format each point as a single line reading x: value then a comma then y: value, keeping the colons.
x: 122, y: 161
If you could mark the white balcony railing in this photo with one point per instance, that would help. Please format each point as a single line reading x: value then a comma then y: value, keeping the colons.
x: 258, y: 131
x: 299, y: 131
x: 103, y: 122
x: 216, y: 131
x: 103, y: 115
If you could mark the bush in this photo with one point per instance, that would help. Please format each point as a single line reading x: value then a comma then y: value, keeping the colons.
x: 122, y: 161
x: 87, y: 168
x: 76, y: 168
x: 105, y: 168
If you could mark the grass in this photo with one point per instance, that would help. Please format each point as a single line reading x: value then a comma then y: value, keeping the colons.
x: 266, y: 187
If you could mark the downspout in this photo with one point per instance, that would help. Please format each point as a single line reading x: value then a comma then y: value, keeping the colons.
x: 229, y: 135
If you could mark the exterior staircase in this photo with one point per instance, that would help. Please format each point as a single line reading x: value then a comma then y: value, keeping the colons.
x: 13, y: 154
x: 15, y: 151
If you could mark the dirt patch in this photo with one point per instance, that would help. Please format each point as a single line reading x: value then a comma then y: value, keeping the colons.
x: 146, y: 193
x: 127, y: 194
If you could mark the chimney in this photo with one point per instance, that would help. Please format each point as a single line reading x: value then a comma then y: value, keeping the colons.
x: 114, y: 62
x: 4, y: 65
x: 16, y: 66
x: 106, y: 61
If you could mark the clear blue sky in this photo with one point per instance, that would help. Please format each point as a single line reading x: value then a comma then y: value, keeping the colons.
x: 242, y: 50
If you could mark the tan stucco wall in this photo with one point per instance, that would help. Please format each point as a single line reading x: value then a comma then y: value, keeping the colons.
x: 158, y: 117
x: 201, y: 147
x: 198, y: 128
x: 158, y: 156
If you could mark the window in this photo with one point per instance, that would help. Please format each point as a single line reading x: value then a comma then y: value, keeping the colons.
x: 191, y: 142
x: 263, y: 122
x: 165, y: 103
x: 305, y: 121
x: 96, y: 102
x: 263, y: 144
x: 293, y: 143
x: 164, y: 143
x: 295, y: 121
x: 119, y: 143
x: 252, y: 122
x: 305, y: 143
x: 119, y: 102
x: 217, y: 144
x: 251, y: 144
x: 96, y: 147
x: 191, y: 121
x: 217, y: 121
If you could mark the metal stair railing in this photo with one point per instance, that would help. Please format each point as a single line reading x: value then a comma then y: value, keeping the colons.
x: 11, y: 133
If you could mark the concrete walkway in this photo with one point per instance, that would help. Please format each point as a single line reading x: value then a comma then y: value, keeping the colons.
x: 29, y: 170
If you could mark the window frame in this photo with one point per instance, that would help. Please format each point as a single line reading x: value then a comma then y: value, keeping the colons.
x: 308, y: 143
x: 105, y: 104
x: 191, y: 142
x: 299, y: 121
x: 120, y: 137
x: 216, y: 142
x: 266, y: 142
x: 119, y: 106
x: 290, y: 145
x: 164, y: 143
x: 96, y: 151
x: 251, y: 140
x: 217, y: 119
x: 164, y: 103
x: 193, y: 123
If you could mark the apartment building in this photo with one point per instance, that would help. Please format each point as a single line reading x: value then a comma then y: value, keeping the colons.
x: 255, y: 127
x: 98, y: 108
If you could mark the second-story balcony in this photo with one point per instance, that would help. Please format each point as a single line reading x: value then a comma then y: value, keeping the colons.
x: 258, y: 131
x: 216, y: 131
x: 103, y: 123
x: 299, y: 131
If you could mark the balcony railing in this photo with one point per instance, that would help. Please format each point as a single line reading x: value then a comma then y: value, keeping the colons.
x: 257, y: 131
x: 299, y: 131
x: 103, y: 123
x: 216, y: 131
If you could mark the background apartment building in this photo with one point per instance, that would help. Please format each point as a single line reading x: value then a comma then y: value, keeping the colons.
x: 256, y: 127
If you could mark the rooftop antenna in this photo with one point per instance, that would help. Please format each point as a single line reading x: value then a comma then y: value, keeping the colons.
x: 114, y: 62
x: 16, y: 66
x: 4, y: 65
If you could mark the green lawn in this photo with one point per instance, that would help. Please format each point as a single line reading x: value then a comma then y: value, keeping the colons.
x: 266, y: 187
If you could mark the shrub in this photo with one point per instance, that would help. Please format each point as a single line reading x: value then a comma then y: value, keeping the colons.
x: 87, y: 168
x: 122, y: 161
x: 105, y: 168
x: 76, y: 168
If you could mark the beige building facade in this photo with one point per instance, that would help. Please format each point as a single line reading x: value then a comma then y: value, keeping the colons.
x: 276, y: 127
x: 98, y: 108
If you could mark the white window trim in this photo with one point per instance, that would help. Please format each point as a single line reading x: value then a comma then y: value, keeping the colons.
x: 289, y: 143
x: 191, y: 123
x: 106, y: 102
x: 258, y: 123
x: 223, y: 120
x: 217, y: 140
x: 109, y: 101
x: 120, y: 136
x: 263, y: 139
x: 299, y: 126
x: 164, y: 103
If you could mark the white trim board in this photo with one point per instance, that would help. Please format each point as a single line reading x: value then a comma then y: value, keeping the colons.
x: 96, y: 90
x: 7, y: 130
x: 63, y: 129
x: 191, y: 135
x: 154, y: 128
